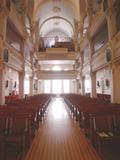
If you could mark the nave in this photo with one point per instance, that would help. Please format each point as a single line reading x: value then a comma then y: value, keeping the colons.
x: 59, y: 137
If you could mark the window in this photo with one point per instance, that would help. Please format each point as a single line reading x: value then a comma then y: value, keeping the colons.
x: 26, y: 86
x: 56, y: 68
x: 56, y: 86
x: 47, y: 86
x: 87, y: 84
x: 66, y: 86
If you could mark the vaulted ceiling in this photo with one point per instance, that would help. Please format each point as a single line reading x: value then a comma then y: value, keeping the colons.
x: 56, y: 15
x: 53, y: 15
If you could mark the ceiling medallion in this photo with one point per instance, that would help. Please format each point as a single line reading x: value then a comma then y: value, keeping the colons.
x: 56, y: 9
x: 56, y: 23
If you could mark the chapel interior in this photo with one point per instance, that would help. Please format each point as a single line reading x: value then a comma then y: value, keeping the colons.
x: 59, y: 79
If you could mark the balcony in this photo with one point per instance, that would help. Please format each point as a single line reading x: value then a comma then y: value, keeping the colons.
x: 52, y: 48
x: 15, y: 58
x: 71, y: 74
x: 56, y: 54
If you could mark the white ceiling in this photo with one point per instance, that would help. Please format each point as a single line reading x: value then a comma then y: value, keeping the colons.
x: 48, y: 12
x: 56, y: 23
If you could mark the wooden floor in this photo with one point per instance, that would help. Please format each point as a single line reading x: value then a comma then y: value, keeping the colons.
x: 60, y: 137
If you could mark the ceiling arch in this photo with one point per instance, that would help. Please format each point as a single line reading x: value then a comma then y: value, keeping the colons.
x: 54, y: 23
x: 40, y: 3
x: 54, y: 14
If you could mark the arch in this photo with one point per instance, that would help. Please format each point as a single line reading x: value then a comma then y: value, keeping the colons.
x: 56, y: 17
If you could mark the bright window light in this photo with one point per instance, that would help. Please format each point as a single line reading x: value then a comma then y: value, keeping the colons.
x: 47, y: 69
x: 66, y: 69
x: 26, y: 86
x: 66, y: 86
x: 52, y: 43
x: 47, y: 86
x: 56, y: 68
x: 87, y: 85
x: 56, y: 86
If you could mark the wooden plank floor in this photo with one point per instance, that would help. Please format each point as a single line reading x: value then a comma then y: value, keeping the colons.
x: 60, y: 137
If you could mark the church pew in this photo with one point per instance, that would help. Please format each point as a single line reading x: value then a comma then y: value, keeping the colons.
x: 105, y: 129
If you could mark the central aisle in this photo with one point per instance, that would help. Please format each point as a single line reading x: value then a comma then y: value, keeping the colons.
x: 60, y: 137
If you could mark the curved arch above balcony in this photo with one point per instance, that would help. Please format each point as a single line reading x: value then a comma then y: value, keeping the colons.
x: 53, y: 14
x: 56, y: 23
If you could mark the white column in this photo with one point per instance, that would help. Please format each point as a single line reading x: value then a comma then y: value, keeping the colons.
x: 3, y: 22
x: 75, y: 86
x: 93, y: 85
x: 78, y: 86
x: 2, y: 85
x: 31, y: 86
x: 82, y: 85
x: 115, y: 95
x: 62, y: 91
x: 21, y: 84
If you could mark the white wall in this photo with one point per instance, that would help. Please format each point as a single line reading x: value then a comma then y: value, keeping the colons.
x: 12, y: 77
x: 101, y: 77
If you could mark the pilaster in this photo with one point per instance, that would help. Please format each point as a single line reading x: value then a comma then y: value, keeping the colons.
x: 2, y: 83
x: 21, y: 84
x: 3, y: 22
x: 31, y: 86
x: 3, y: 19
x: 111, y: 20
x: 115, y: 95
x: 93, y: 85
x: 82, y: 85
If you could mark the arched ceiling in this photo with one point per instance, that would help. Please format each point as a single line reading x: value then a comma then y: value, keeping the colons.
x: 56, y: 23
x: 55, y: 14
